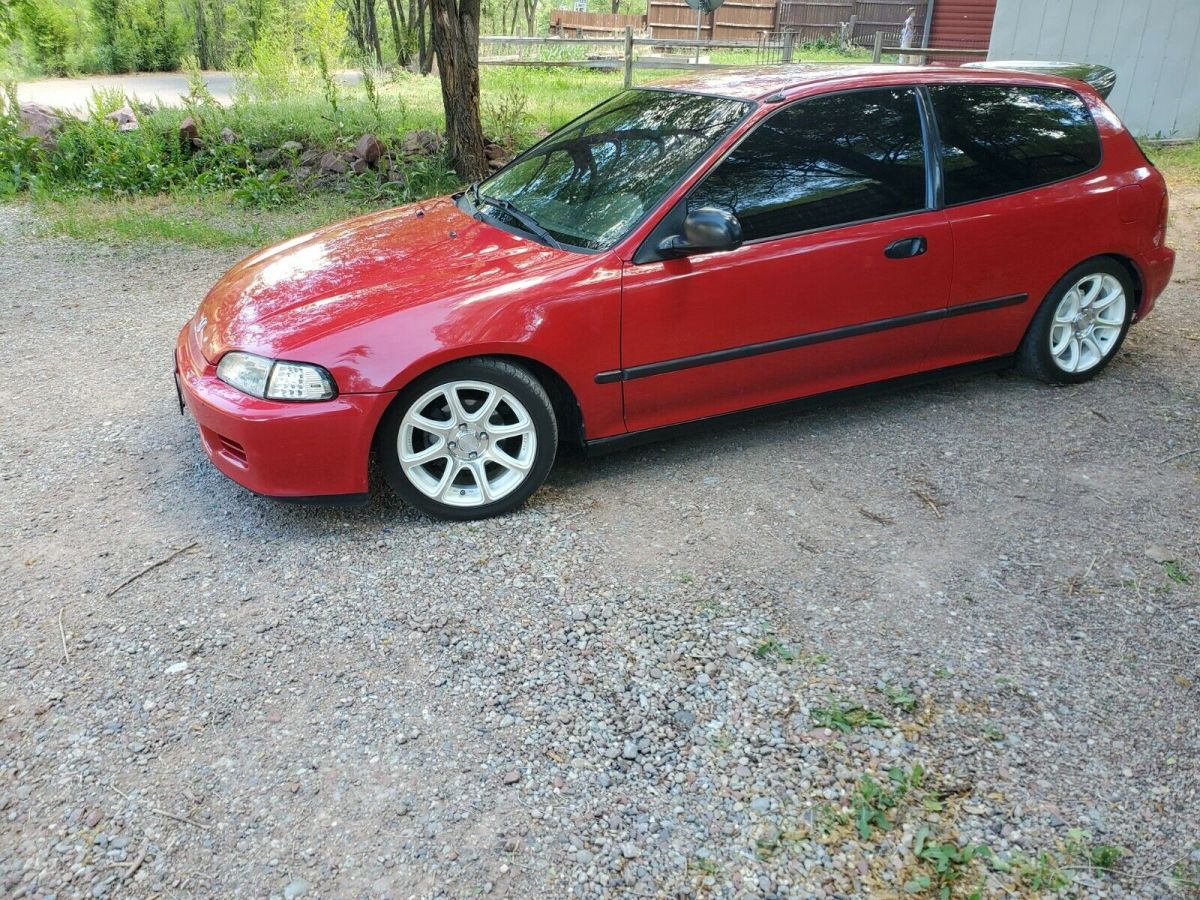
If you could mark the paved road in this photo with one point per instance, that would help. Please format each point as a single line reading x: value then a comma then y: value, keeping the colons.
x: 165, y: 87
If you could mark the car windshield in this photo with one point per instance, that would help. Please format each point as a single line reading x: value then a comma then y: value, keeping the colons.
x: 589, y: 183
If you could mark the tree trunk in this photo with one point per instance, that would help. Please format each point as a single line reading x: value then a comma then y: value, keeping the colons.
x: 616, y: 6
x: 530, y: 15
x: 202, y: 55
x: 396, y: 16
x: 424, y: 50
x: 371, y: 31
x: 456, y: 42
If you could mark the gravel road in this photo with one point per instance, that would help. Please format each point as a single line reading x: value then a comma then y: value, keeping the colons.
x: 990, y: 585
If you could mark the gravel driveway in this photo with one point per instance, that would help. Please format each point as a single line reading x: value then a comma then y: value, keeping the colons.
x: 668, y: 676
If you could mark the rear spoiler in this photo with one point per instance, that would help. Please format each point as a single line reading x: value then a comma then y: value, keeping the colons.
x: 1102, y: 79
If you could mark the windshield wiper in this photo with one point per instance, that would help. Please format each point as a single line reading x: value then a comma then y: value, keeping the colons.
x: 528, y: 222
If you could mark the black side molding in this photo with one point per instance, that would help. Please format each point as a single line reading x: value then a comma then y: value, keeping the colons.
x: 648, y: 370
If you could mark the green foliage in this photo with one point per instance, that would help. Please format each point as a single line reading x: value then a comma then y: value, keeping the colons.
x: 947, y: 862
x: 266, y: 190
x: 846, y: 717
x: 901, y: 697
x: 873, y: 800
x: 771, y: 648
x: 19, y: 155
x: 1176, y: 572
x: 504, y: 116
x: 46, y: 30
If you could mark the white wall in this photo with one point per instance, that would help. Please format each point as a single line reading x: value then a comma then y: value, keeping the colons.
x: 1154, y: 46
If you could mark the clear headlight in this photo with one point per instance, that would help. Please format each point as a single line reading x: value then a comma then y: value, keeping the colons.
x: 299, y: 381
x: 261, y: 377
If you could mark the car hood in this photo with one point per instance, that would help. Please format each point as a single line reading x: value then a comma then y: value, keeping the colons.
x: 287, y: 296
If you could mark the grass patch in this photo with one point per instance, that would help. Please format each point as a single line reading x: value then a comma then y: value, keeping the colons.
x: 211, y: 221
x: 1178, y: 162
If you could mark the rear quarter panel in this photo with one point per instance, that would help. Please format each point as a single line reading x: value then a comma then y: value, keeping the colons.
x: 1023, y: 243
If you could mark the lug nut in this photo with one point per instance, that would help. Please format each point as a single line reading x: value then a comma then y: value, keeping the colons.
x: 473, y: 454
x: 452, y: 445
x: 483, y: 435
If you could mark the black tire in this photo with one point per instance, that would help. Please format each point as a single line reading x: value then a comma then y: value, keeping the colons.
x: 1034, y: 356
x: 497, y: 374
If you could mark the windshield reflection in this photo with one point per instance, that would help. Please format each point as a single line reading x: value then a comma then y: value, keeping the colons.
x: 589, y: 183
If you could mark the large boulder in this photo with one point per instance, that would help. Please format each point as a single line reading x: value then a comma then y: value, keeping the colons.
x: 189, y: 135
x: 333, y: 163
x: 423, y: 141
x: 125, y: 118
x: 40, y: 122
x: 369, y: 148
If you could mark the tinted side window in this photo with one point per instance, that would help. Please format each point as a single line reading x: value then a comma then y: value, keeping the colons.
x: 998, y: 139
x: 822, y: 162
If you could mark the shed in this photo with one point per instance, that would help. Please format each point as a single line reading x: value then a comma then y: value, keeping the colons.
x: 961, y: 24
x: 1153, y: 45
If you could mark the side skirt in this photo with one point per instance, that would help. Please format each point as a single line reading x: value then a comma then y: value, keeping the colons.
x: 602, y: 446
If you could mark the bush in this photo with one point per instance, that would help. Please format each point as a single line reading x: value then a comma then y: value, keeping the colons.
x: 19, y: 155
x: 46, y: 30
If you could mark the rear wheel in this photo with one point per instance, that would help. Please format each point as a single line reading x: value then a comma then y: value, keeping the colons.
x: 470, y: 440
x: 1080, y: 325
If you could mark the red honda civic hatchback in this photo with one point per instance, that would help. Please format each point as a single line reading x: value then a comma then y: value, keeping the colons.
x: 709, y: 246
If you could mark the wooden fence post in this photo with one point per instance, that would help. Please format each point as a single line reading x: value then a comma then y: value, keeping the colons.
x: 628, y: 56
x: 877, y: 54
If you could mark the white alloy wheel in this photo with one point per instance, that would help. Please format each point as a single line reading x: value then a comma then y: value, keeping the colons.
x: 1088, y: 323
x: 466, y: 443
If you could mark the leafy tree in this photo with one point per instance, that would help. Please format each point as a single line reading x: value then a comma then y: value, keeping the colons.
x: 46, y: 29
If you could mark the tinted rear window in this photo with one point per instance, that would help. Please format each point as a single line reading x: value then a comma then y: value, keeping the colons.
x: 997, y: 139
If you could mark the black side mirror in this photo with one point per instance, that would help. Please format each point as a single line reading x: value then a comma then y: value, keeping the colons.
x: 705, y: 230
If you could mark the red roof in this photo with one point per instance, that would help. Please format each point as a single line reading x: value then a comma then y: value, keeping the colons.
x: 766, y: 81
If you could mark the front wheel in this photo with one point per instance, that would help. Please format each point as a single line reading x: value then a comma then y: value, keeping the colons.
x: 1080, y: 325
x: 469, y: 440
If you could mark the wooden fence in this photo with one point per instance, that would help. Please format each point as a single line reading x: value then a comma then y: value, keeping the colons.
x: 735, y: 20
x: 564, y: 22
x: 855, y: 21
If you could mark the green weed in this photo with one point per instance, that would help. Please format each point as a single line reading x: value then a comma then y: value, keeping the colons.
x: 846, y: 717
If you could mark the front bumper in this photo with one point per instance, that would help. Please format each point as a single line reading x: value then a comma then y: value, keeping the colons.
x: 311, y: 451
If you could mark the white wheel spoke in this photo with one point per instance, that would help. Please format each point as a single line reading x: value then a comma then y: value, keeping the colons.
x: 488, y: 408
x: 1068, y: 308
x: 510, y: 462
x: 457, y: 410
x: 427, y: 424
x: 429, y: 454
x: 444, y: 485
x: 478, y: 470
x: 1092, y: 293
x: 1057, y: 346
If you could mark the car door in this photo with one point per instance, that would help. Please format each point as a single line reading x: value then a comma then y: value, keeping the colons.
x: 1025, y: 203
x: 843, y: 276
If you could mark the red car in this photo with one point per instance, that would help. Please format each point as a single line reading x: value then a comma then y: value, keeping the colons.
x: 717, y: 244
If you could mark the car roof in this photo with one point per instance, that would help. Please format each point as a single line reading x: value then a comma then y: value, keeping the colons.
x: 762, y: 82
